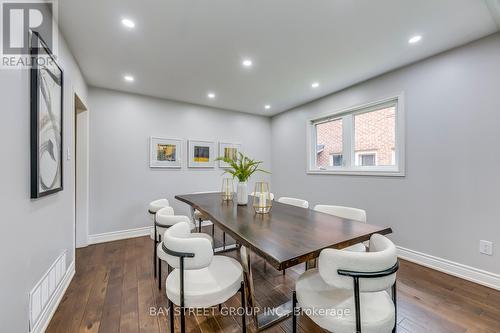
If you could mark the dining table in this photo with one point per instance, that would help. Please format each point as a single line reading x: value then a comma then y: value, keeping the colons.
x: 285, y: 237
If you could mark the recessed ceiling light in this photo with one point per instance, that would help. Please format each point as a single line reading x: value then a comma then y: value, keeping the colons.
x: 211, y: 95
x: 415, y: 39
x: 128, y: 23
x: 315, y: 85
x: 247, y: 63
x: 267, y: 106
x: 128, y: 78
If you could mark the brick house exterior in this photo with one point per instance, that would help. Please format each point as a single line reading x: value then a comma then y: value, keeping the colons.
x: 374, y: 135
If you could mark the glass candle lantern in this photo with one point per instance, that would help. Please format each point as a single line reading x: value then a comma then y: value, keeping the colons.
x: 227, y: 189
x: 262, y: 202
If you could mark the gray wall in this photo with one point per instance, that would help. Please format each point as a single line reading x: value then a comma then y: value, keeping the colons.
x: 34, y: 232
x: 121, y: 182
x: 449, y: 198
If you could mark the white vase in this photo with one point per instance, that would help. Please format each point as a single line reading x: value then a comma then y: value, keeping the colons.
x: 242, y: 193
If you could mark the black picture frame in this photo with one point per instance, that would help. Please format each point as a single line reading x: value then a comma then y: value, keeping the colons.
x: 46, y: 154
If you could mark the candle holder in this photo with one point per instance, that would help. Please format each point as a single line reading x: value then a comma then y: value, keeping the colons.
x: 262, y: 202
x: 227, y: 189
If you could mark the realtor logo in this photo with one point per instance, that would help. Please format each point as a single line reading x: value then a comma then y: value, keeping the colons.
x: 18, y: 18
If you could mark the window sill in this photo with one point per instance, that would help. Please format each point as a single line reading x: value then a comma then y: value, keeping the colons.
x: 379, y: 173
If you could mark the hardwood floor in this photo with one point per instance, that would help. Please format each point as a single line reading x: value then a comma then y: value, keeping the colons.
x: 114, y: 291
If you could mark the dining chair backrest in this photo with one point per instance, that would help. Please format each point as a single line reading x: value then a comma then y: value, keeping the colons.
x: 156, y: 205
x: 254, y: 194
x: 294, y: 202
x: 382, y: 257
x: 165, y: 217
x: 349, y: 213
x: 165, y: 211
x: 178, y: 239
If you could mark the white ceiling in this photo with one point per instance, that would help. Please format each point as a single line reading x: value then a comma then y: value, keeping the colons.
x: 182, y: 49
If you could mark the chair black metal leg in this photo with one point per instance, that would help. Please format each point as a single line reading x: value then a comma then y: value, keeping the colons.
x: 284, y: 272
x: 155, y: 243
x: 357, y: 305
x: 244, y: 305
x: 159, y: 273
x: 171, y: 314
x: 294, y: 313
x: 183, y: 319
x: 223, y: 240
x: 394, y: 299
x: 199, y: 225
x: 213, y: 230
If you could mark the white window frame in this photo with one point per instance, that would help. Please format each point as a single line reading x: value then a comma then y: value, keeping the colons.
x: 364, y: 152
x: 349, y: 166
x: 330, y: 159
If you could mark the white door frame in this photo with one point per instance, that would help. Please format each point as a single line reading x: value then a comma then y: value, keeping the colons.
x: 81, y: 173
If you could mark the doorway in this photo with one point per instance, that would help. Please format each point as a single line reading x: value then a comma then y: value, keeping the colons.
x: 81, y: 173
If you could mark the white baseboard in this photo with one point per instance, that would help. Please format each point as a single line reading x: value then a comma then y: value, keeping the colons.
x: 128, y: 233
x: 117, y: 235
x: 45, y: 318
x: 465, y: 272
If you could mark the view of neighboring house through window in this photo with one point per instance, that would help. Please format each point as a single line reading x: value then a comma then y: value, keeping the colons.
x: 336, y: 160
x: 329, y: 143
x: 374, y: 137
x: 366, y: 158
x: 358, y: 140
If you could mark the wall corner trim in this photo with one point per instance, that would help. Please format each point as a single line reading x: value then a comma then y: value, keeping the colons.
x: 465, y: 272
x: 118, y: 235
x: 46, y: 317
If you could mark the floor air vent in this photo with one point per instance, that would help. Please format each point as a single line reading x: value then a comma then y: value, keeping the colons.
x: 43, y: 292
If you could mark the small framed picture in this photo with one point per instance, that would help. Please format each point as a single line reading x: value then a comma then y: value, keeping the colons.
x: 229, y: 150
x: 165, y: 153
x: 201, y: 154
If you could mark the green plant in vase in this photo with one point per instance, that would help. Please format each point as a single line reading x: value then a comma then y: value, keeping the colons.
x: 242, y: 167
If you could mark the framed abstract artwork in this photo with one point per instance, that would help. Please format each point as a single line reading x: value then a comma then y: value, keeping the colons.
x: 201, y: 154
x: 229, y: 150
x: 165, y: 153
x: 46, y: 120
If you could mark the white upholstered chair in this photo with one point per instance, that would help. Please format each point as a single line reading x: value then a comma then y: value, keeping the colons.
x: 199, y: 279
x: 358, y: 281
x: 349, y: 213
x: 164, y: 220
x: 153, y: 208
x: 156, y: 205
x: 271, y: 195
x: 200, y: 218
x: 294, y: 202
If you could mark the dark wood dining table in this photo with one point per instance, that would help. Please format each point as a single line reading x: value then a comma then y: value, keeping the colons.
x: 285, y: 237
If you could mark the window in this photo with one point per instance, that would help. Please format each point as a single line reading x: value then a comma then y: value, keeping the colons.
x: 366, y: 158
x: 328, y: 142
x: 374, y: 136
x: 364, y: 140
x: 336, y: 160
